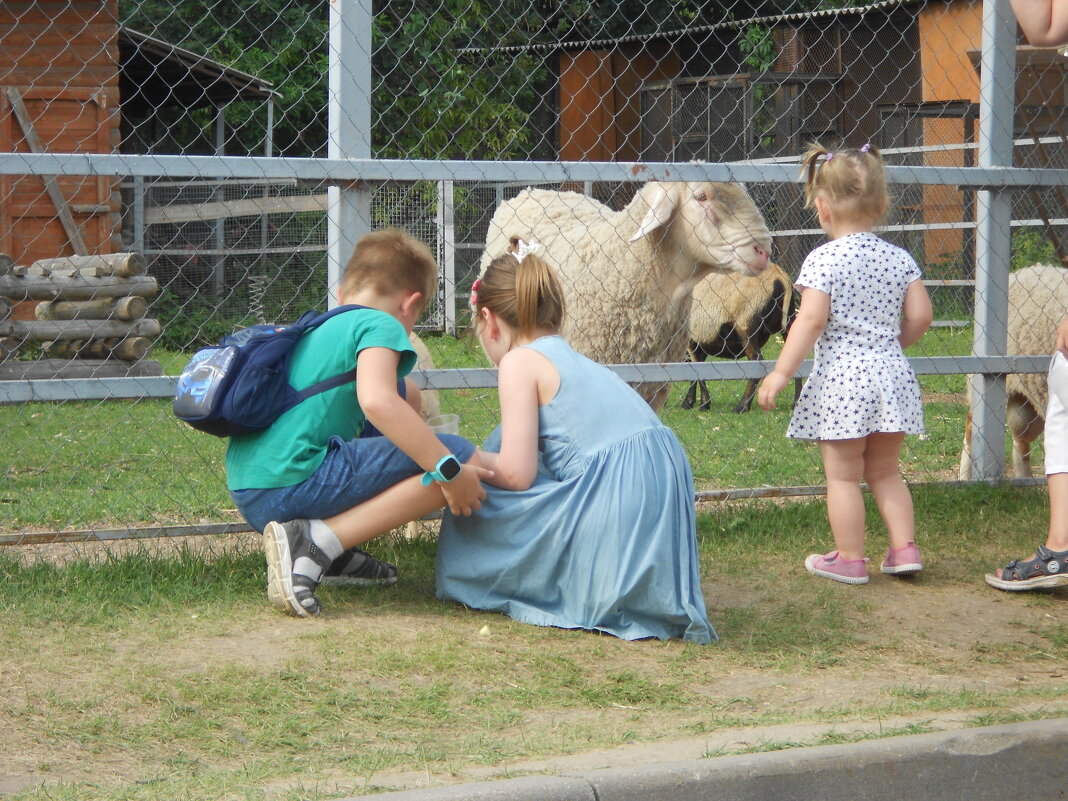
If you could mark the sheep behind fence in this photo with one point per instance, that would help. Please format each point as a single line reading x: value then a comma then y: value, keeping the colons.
x: 629, y: 275
x: 734, y: 316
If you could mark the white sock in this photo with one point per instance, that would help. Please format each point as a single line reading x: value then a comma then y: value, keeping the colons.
x: 326, y: 540
x: 324, y: 536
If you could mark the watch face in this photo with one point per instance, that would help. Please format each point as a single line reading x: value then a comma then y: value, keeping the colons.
x: 449, y: 468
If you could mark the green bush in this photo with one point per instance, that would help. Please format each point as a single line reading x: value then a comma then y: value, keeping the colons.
x: 193, y: 322
x: 1032, y: 247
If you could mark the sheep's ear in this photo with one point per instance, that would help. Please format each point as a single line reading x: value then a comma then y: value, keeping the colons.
x: 661, y: 202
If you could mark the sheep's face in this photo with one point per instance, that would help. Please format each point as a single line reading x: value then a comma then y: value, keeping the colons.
x: 705, y: 227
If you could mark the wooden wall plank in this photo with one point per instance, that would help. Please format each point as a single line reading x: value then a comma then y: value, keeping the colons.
x: 62, y: 56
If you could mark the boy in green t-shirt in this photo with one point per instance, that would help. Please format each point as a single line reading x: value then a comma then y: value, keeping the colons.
x: 310, y: 482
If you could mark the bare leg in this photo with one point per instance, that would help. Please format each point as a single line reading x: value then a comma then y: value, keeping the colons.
x: 1058, y: 512
x: 409, y: 500
x: 1056, y: 432
x: 843, y: 464
x: 882, y: 471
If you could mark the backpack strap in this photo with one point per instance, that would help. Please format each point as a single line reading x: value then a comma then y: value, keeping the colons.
x: 338, y: 380
x: 313, y: 319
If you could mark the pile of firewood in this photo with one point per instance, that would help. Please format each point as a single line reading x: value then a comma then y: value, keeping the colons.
x: 89, y: 317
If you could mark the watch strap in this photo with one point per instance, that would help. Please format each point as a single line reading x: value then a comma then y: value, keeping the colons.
x: 436, y: 475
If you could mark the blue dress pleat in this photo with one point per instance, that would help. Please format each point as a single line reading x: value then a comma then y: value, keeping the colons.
x: 605, y: 538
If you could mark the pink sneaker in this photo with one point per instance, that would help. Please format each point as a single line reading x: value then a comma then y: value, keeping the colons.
x: 904, y: 561
x: 832, y: 566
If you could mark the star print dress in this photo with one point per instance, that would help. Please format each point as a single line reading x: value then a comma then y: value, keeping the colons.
x: 861, y: 382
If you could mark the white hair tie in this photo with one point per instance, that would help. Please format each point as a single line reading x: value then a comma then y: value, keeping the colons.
x: 524, y: 249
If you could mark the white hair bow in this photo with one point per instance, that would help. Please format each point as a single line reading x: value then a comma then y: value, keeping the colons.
x: 524, y: 249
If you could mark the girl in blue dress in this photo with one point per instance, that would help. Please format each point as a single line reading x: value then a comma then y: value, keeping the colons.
x: 589, y: 520
x: 862, y: 302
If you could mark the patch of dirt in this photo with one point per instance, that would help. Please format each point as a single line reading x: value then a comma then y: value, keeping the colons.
x: 928, y: 635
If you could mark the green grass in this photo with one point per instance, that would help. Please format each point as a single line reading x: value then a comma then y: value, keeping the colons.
x: 76, y: 465
x: 161, y: 673
x: 153, y: 676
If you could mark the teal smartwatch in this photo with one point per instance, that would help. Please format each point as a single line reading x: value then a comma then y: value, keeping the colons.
x: 445, y: 471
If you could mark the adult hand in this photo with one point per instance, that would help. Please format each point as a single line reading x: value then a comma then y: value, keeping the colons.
x: 770, y: 387
x: 464, y: 494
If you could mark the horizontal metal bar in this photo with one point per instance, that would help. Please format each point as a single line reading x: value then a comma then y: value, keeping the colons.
x: 946, y: 147
x: 207, y: 183
x: 953, y: 226
x: 162, y: 387
x: 702, y: 496
x: 109, y: 534
x: 343, y: 171
x: 197, y: 252
x: 76, y: 389
x: 743, y: 493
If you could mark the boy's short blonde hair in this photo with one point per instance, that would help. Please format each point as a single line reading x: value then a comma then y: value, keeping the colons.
x: 391, y: 261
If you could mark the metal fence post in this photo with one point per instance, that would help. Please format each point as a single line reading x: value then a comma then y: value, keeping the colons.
x: 349, y: 132
x: 218, y: 195
x: 447, y: 246
x: 996, y: 115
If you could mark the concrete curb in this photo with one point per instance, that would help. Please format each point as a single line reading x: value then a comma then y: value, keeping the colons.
x: 1016, y: 761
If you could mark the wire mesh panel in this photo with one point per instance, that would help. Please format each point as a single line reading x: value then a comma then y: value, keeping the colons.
x: 218, y: 119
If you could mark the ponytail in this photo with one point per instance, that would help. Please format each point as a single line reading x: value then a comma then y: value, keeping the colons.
x: 539, y: 299
x: 809, y: 166
x: 852, y: 181
x: 523, y: 290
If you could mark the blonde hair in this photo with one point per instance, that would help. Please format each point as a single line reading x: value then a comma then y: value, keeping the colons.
x: 525, y: 294
x: 851, y: 180
x: 391, y: 261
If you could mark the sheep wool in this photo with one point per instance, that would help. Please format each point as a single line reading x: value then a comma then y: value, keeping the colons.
x: 737, y: 300
x: 424, y: 361
x: 629, y: 275
x: 1038, y: 301
x: 734, y: 315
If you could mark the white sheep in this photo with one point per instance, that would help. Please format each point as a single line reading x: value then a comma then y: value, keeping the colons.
x: 734, y: 315
x: 629, y: 275
x: 1038, y: 300
x: 431, y: 403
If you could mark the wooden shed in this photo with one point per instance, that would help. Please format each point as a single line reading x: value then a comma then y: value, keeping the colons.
x: 899, y: 73
x: 59, y: 92
x: 73, y: 80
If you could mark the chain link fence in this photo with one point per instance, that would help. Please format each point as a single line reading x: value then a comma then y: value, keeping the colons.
x: 238, y: 149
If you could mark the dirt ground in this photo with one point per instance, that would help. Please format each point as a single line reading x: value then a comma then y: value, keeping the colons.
x: 939, y: 631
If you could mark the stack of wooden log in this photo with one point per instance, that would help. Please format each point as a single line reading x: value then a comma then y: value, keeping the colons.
x: 89, y: 318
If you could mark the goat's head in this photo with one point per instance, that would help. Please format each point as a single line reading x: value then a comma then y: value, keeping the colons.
x: 703, y: 227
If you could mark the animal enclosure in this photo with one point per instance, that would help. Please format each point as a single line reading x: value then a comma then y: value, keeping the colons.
x: 274, y: 140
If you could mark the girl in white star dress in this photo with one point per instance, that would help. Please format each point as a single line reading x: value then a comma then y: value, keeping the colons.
x: 862, y: 302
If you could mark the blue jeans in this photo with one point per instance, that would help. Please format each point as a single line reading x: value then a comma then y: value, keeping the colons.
x: 354, y: 471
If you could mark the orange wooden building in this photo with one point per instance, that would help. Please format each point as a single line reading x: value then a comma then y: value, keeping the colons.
x: 73, y: 80
x: 901, y: 73
x: 59, y: 92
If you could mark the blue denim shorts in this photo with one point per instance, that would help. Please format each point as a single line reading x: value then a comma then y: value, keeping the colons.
x: 354, y: 471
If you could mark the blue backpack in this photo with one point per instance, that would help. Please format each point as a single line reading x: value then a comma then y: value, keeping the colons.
x: 242, y: 385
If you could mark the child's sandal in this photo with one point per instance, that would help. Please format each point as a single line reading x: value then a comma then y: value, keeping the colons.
x: 1049, y: 569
